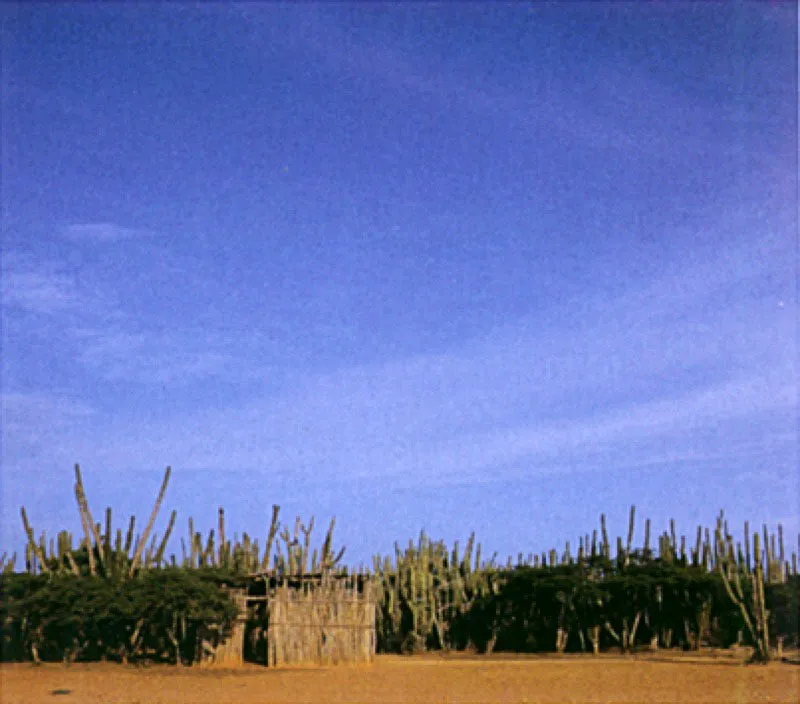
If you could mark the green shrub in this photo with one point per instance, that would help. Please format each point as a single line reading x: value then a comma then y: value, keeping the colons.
x: 160, y: 615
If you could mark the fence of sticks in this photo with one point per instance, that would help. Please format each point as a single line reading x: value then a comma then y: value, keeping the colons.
x: 324, y: 620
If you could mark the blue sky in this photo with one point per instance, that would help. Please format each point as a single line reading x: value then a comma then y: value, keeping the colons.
x: 460, y: 266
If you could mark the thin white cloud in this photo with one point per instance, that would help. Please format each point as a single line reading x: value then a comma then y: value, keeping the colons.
x: 553, y: 105
x: 516, y: 396
x: 44, y: 299
x: 37, y: 287
x: 157, y: 358
x: 40, y: 427
x: 19, y: 408
x: 616, y: 430
x: 600, y: 381
x: 102, y: 232
x: 348, y: 434
x: 39, y: 291
x: 49, y: 287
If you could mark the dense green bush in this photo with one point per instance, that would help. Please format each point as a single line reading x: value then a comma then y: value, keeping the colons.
x: 783, y: 602
x: 160, y: 615
x: 631, y: 606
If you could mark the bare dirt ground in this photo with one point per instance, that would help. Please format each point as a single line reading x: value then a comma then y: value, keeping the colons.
x: 416, y: 679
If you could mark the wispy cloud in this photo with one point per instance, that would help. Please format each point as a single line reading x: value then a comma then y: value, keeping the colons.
x: 51, y: 291
x: 562, y: 106
x: 102, y: 232
x: 645, y: 379
x: 19, y: 408
x: 630, y: 431
x: 34, y: 424
x: 89, y: 320
x: 37, y: 287
x: 39, y: 292
x: 661, y: 373
x: 156, y: 358
x: 341, y: 49
x: 337, y: 431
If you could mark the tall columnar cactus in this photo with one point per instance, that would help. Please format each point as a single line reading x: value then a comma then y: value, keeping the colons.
x: 33, y: 550
x: 159, y: 556
x: 149, y: 527
x: 7, y: 564
x: 424, y: 589
x: 86, y: 520
x: 273, y: 531
x: 751, y: 603
x: 631, y: 526
x: 605, y: 549
x: 223, y: 551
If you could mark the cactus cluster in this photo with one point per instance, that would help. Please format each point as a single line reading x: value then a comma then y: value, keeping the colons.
x: 423, y: 590
x: 101, y: 551
x: 284, y: 553
x: 105, y: 552
x: 750, y: 600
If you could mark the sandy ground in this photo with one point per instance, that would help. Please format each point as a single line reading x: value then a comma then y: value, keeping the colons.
x: 415, y: 679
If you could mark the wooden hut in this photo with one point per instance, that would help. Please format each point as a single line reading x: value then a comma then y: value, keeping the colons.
x: 322, y: 622
x: 312, y: 619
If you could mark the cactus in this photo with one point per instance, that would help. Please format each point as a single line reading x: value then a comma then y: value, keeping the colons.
x: 86, y: 519
x: 160, y: 552
x: 7, y: 564
x: 306, y: 545
x: 273, y: 529
x: 33, y: 551
x: 432, y: 585
x: 222, y: 554
x: 107, y: 537
x: 752, y: 605
x: 149, y: 527
x: 129, y: 535
x: 605, y: 548
x: 673, y: 540
x: 631, y: 525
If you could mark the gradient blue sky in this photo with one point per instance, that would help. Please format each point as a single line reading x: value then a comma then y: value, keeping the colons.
x: 462, y: 266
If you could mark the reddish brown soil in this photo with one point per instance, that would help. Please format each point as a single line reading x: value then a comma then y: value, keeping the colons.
x: 416, y: 679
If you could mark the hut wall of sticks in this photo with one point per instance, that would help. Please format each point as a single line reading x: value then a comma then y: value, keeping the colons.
x: 231, y: 651
x: 325, y: 620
